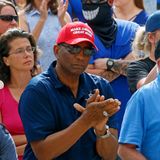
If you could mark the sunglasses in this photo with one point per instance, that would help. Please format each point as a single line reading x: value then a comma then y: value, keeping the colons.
x: 75, y: 49
x: 8, y: 18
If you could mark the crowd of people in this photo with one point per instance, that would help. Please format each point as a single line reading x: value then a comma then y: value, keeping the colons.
x: 79, y: 80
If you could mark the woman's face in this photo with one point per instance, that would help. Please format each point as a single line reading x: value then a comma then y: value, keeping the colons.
x: 21, y: 56
x: 119, y: 3
x: 10, y: 23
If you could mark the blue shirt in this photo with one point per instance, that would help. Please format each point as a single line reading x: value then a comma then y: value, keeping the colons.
x: 46, y: 107
x: 141, y: 123
x: 119, y: 49
x: 47, y: 37
x: 141, y: 18
x: 75, y: 9
x: 7, y: 146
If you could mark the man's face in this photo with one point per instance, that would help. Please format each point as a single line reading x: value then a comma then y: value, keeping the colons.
x: 5, y: 25
x: 73, y: 63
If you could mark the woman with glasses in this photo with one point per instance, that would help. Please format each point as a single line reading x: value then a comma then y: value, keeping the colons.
x: 8, y: 16
x: 18, y: 56
x: 44, y: 19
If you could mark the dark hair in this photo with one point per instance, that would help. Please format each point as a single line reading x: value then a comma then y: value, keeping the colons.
x: 5, y: 41
x: 4, y: 3
x: 139, y: 4
x: 52, y: 5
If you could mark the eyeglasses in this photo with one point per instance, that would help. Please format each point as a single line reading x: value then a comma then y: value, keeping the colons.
x: 23, y: 50
x: 8, y: 18
x: 75, y: 49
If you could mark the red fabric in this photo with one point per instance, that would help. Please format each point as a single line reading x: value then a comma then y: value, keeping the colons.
x: 9, y: 113
x: 76, y: 32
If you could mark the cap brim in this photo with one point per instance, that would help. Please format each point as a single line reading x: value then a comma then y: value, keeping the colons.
x: 78, y: 40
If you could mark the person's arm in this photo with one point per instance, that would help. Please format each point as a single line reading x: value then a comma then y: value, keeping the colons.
x: 20, y: 142
x: 61, y: 141
x: 129, y: 152
x: 41, y: 22
x: 63, y: 15
x: 20, y: 149
x: 107, y: 147
x: 150, y: 77
x: 22, y: 21
x: 119, y: 67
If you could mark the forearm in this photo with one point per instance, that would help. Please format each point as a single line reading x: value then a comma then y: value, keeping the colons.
x: 65, y: 20
x: 107, y: 147
x: 109, y: 75
x: 19, y: 139
x: 152, y: 75
x: 60, y: 141
x: 20, y: 149
x: 38, y: 28
x: 127, y: 153
x: 120, y: 66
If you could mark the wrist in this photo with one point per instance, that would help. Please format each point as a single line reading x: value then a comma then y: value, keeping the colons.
x: 109, y: 64
x: 103, y: 134
x: 100, y: 132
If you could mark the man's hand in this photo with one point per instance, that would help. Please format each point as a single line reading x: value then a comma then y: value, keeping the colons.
x: 96, y: 105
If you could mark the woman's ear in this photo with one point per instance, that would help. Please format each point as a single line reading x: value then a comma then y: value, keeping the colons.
x: 5, y: 60
x: 151, y: 37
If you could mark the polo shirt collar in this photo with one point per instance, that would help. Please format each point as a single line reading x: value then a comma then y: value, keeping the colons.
x: 83, y: 90
x: 36, y: 12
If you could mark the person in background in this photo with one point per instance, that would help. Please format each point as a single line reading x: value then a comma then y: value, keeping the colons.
x: 44, y: 19
x: 65, y: 110
x: 20, y: 4
x: 18, y: 56
x: 144, y: 70
x: 75, y: 10
x: 113, y: 39
x: 8, y: 16
x: 140, y: 134
x: 130, y: 10
x: 7, y: 146
x: 158, y: 4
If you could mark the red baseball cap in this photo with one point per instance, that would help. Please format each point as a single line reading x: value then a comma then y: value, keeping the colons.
x: 76, y: 32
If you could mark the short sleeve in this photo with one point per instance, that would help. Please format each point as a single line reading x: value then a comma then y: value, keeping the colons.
x: 37, y: 125
x: 132, y: 129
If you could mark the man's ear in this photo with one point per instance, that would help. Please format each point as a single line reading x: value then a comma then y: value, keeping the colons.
x: 55, y: 49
